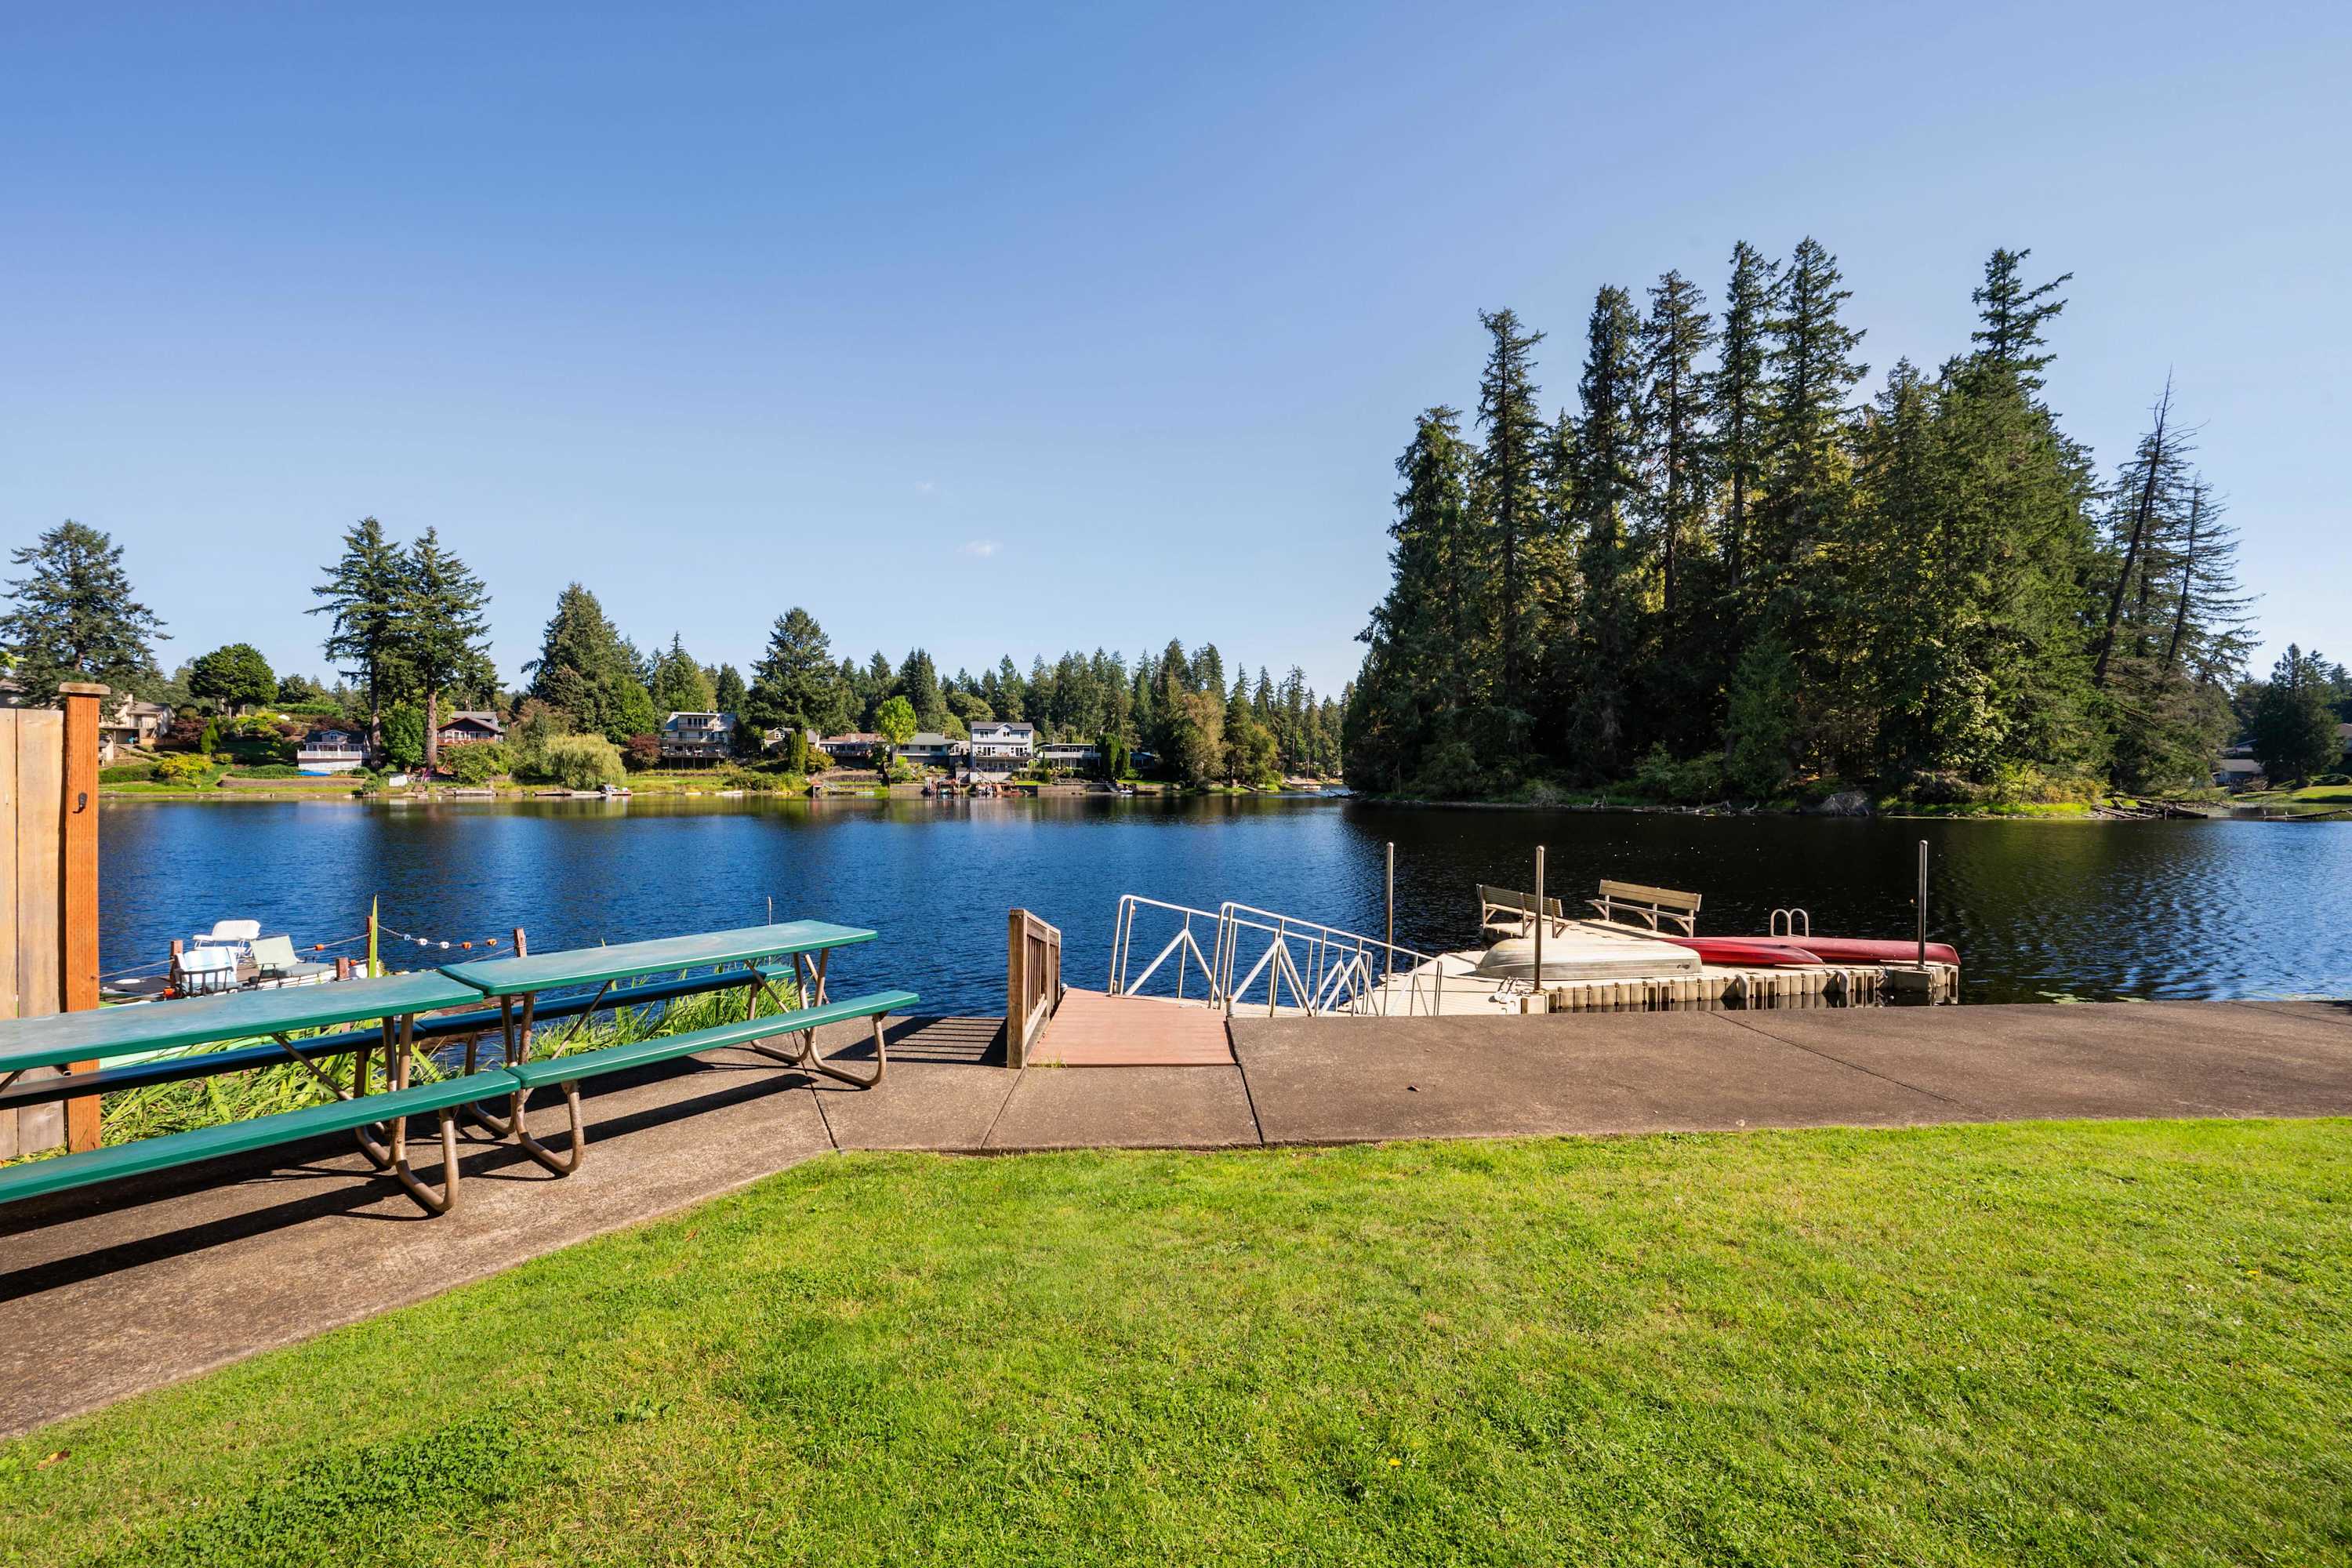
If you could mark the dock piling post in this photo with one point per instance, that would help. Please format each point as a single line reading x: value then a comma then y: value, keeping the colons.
x: 1540, y: 919
x: 1388, y: 931
x: 1923, y: 903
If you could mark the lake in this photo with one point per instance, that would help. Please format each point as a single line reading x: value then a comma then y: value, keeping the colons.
x: 2039, y: 910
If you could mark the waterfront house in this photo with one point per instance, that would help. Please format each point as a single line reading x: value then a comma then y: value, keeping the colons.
x: 998, y: 747
x: 331, y: 751
x: 698, y: 737
x: 927, y: 749
x: 470, y: 727
x: 2239, y: 773
x: 857, y: 746
x: 1071, y: 756
x: 131, y: 722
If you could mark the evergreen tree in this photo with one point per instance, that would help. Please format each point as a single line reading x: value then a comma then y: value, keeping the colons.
x: 680, y: 685
x: 1740, y: 407
x: 440, y: 633
x: 585, y: 670
x: 2151, y: 487
x: 796, y: 684
x: 1674, y: 336
x: 1608, y: 504
x: 1428, y: 636
x: 1813, y: 369
x: 1509, y: 497
x: 363, y: 594
x: 2293, y: 729
x: 73, y: 618
x: 919, y: 683
x: 2009, y: 334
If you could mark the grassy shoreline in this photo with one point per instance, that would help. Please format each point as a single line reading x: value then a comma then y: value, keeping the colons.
x: 2102, y: 1344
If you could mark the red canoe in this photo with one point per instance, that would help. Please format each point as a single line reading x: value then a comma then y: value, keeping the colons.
x: 1783, y: 951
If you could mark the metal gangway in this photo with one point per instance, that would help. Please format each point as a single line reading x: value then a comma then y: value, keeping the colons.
x: 1285, y: 964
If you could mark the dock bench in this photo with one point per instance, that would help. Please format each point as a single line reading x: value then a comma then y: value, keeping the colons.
x: 568, y: 1072
x: 36, y: 1178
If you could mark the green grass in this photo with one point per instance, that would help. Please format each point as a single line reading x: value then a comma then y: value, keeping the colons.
x: 2117, y: 1343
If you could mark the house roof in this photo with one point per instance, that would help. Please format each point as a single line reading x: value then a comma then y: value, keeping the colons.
x: 859, y: 737
x: 702, y: 716
x: 927, y: 738
x: 475, y: 715
x: 1008, y: 727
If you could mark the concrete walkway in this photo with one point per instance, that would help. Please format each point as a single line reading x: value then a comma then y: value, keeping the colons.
x: 109, y: 1293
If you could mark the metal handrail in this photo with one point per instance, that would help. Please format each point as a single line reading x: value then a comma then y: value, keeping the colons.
x: 1338, y: 976
x: 1327, y: 969
x: 1183, y: 945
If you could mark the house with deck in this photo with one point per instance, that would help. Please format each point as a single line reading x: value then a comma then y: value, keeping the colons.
x: 1071, y: 756
x: 1000, y: 748
x: 857, y: 746
x: 471, y: 727
x: 927, y: 749
x: 331, y: 751
x: 698, y: 737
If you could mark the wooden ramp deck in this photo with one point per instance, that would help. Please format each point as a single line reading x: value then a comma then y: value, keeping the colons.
x: 1091, y: 1030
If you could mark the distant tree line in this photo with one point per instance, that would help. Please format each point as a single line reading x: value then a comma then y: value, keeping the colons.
x: 1718, y: 572
x: 407, y: 635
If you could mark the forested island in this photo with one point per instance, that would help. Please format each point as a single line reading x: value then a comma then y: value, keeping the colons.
x: 1718, y: 577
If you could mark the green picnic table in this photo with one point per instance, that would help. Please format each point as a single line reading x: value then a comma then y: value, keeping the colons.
x: 393, y: 1003
x: 518, y: 984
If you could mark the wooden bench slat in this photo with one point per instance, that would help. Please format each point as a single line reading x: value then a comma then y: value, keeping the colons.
x: 38, y: 1177
x: 1664, y: 898
x: 666, y: 1048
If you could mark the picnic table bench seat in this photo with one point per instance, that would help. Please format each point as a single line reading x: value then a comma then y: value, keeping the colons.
x: 568, y: 1071
x: 243, y: 1058
x: 36, y: 1178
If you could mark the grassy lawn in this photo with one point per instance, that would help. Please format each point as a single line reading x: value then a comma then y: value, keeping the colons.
x: 2081, y: 1343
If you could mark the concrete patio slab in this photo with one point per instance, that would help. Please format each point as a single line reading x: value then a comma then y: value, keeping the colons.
x: 2140, y: 1059
x: 167, y: 1279
x: 1127, y: 1108
x: 1348, y: 1080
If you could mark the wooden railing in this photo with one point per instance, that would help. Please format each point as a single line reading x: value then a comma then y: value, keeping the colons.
x: 1033, y: 983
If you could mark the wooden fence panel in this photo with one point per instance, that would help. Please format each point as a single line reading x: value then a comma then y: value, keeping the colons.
x: 36, y: 741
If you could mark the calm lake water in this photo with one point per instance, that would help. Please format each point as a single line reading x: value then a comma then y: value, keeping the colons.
x: 2038, y: 910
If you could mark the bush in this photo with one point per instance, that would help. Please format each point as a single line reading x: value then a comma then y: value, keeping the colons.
x: 270, y: 771
x: 643, y: 751
x: 2331, y: 780
x: 183, y: 768
x: 477, y: 762
x: 581, y: 762
x: 127, y: 772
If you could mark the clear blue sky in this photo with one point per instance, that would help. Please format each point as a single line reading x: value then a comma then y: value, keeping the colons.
x: 990, y: 329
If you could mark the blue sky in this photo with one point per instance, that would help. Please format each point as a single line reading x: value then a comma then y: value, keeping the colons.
x: 1029, y: 329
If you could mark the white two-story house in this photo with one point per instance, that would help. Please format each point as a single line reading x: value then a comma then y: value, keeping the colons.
x: 1001, y: 748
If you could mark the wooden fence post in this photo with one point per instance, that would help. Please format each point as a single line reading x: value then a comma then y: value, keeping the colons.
x: 77, y: 889
x: 1016, y: 988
